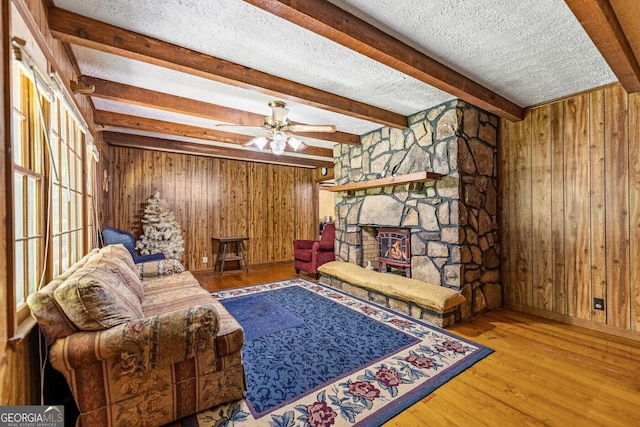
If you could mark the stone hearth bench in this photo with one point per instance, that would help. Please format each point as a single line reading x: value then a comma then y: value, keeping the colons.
x: 435, y: 304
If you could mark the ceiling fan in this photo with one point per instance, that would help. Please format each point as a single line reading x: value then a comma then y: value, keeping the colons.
x: 279, y: 131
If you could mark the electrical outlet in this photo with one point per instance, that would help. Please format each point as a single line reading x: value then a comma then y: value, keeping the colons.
x: 205, y: 259
x: 598, y: 303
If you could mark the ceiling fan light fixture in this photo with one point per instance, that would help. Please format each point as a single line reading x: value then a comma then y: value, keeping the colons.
x: 280, y: 136
x: 295, y: 143
x: 260, y: 142
x: 278, y: 143
x: 279, y: 132
x: 279, y: 112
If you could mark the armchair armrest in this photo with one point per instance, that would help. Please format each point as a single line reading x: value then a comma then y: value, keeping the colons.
x: 303, y: 244
x: 323, y: 246
x: 143, y: 344
x: 148, y: 258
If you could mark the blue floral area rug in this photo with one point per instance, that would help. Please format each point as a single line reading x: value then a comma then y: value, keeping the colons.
x: 315, y: 356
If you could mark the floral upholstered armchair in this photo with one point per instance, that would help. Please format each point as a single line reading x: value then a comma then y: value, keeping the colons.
x: 310, y: 254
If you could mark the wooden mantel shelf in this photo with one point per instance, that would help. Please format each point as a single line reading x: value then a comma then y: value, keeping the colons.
x: 385, y: 182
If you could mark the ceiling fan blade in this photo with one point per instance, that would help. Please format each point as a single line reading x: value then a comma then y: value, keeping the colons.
x: 236, y: 126
x: 312, y: 128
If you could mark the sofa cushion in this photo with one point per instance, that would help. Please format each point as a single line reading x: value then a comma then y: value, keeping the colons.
x: 95, y: 298
x: 433, y: 297
x: 121, y: 252
x: 51, y: 319
x: 174, y: 292
x: 158, y: 268
x: 181, y: 291
x: 110, y: 259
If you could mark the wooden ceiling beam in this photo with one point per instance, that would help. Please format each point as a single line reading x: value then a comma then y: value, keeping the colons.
x: 599, y: 20
x: 336, y: 24
x: 167, y: 145
x: 82, y: 31
x: 111, y: 90
x: 108, y: 118
x: 148, y: 98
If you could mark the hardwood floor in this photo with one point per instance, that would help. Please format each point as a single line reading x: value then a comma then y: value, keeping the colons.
x: 263, y: 273
x: 541, y: 372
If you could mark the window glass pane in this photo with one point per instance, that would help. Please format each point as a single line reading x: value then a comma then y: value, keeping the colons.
x: 32, y: 206
x: 79, y: 140
x: 64, y: 253
x: 19, y: 272
x: 90, y: 182
x: 55, y: 159
x: 79, y: 174
x: 72, y: 172
x: 78, y: 208
x: 17, y: 138
x: 56, y: 256
x: 77, y: 237
x: 35, y: 135
x: 55, y: 121
x: 19, y: 117
x: 64, y: 168
x: 74, y: 211
x: 34, y: 264
x: 64, y: 210
x: 90, y: 172
x: 16, y: 80
x: 37, y: 142
x: 56, y: 194
x: 18, y: 204
x: 72, y: 245
x: 63, y: 124
x: 72, y: 133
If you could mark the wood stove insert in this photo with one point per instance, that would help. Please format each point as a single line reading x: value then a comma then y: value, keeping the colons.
x: 394, y: 249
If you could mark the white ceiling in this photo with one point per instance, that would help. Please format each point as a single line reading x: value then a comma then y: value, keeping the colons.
x: 528, y: 52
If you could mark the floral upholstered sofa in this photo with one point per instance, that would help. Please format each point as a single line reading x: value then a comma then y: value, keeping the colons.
x: 138, y: 351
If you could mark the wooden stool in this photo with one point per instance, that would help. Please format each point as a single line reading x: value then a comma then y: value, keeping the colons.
x: 222, y: 257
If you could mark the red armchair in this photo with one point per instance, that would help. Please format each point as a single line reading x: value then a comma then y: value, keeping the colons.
x: 311, y: 254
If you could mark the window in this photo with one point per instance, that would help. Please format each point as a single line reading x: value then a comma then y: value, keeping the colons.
x: 51, y: 194
x: 28, y: 141
x: 91, y: 240
x: 67, y: 193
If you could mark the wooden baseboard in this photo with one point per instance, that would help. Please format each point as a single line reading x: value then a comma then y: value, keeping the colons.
x: 587, y: 324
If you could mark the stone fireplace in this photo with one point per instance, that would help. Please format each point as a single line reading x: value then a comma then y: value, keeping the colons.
x: 452, y: 221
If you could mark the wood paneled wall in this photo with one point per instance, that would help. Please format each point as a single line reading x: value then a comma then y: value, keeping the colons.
x: 570, y: 209
x: 271, y: 204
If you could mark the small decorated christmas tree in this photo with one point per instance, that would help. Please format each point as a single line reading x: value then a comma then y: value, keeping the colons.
x: 161, y: 232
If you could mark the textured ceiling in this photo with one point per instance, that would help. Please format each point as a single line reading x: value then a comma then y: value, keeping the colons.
x: 527, y: 52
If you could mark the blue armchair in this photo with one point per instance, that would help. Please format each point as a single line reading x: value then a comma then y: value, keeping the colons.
x: 113, y: 236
